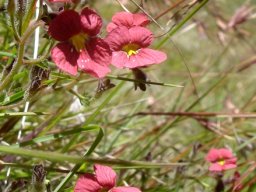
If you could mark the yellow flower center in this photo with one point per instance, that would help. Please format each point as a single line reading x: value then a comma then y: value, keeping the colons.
x: 78, y: 41
x: 222, y: 162
x: 131, y: 49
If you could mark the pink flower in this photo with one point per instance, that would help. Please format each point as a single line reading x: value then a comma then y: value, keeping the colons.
x: 128, y: 20
x: 79, y: 46
x: 130, y: 47
x: 221, y: 159
x: 104, y: 180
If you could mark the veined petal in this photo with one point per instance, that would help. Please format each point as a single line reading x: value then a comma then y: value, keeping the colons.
x: 145, y: 57
x: 99, y: 51
x: 105, y: 175
x: 91, y: 21
x: 87, y: 183
x: 65, y: 57
x: 140, y: 19
x: 86, y: 64
x: 119, y: 59
x: 125, y: 189
x: 118, y: 38
x: 65, y: 25
x: 128, y: 20
x: 141, y: 36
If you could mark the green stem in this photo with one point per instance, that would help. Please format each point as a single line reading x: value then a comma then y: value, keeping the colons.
x: 20, y: 55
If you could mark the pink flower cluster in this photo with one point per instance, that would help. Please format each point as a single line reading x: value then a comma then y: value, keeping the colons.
x: 80, y: 47
x: 103, y: 180
x: 221, y: 160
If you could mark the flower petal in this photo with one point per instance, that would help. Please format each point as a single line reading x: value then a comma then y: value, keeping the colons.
x: 99, y: 51
x: 119, y: 59
x: 225, y: 153
x: 125, y: 189
x: 65, y: 25
x: 65, y: 57
x: 145, y: 57
x: 128, y: 20
x: 87, y: 183
x: 118, y: 38
x: 229, y: 166
x: 91, y: 21
x: 86, y: 64
x: 218, y: 154
x: 141, y: 36
x: 216, y: 167
x: 140, y: 19
x: 105, y: 175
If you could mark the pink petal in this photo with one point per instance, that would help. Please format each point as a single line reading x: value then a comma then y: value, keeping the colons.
x: 99, y: 51
x: 231, y: 160
x: 118, y: 38
x: 65, y: 25
x: 140, y: 19
x: 225, y: 153
x: 145, y: 57
x: 141, y: 36
x: 65, y: 57
x: 105, y: 175
x: 87, y: 183
x: 91, y: 21
x: 125, y: 189
x: 86, y: 64
x: 119, y: 59
x: 128, y: 20
x: 216, y: 167
x: 219, y: 154
x: 229, y: 166
x: 212, y: 155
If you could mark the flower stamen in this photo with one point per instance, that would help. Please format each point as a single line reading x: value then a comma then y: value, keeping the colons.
x: 78, y: 41
x: 131, y: 49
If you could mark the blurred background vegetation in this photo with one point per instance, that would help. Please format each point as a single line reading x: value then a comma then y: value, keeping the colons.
x: 212, y: 56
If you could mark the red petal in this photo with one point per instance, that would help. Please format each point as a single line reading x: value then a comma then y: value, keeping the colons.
x: 87, y: 183
x: 91, y: 21
x: 65, y: 25
x: 145, y: 57
x: 99, y: 51
x: 140, y: 19
x: 219, y: 154
x: 141, y: 36
x: 119, y: 59
x: 65, y: 57
x: 125, y: 189
x: 86, y: 64
x: 105, y: 175
x: 213, y: 155
x: 225, y: 153
x: 216, y: 167
x: 118, y: 38
x: 229, y: 166
x: 128, y: 20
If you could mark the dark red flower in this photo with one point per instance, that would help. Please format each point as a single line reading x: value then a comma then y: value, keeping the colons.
x: 104, y: 180
x: 130, y: 47
x: 79, y: 46
x: 221, y: 159
x: 128, y: 20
